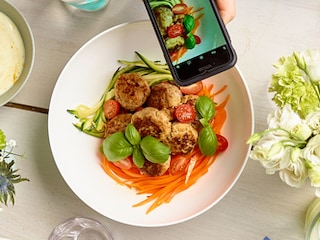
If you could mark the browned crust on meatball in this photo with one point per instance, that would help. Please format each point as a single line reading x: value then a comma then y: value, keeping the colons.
x: 183, y: 138
x: 151, y: 121
x: 131, y: 91
x: 164, y: 95
x: 155, y: 169
x: 118, y: 123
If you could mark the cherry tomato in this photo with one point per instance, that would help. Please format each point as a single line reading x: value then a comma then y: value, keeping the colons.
x: 178, y: 164
x: 193, y: 88
x: 180, y: 8
x: 222, y: 143
x: 185, y: 113
x: 175, y: 30
x: 124, y: 164
x: 198, y: 39
x: 111, y: 108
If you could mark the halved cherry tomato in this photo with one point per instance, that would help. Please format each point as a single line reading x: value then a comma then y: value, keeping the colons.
x: 222, y: 143
x: 175, y: 30
x: 185, y: 113
x: 124, y: 164
x: 111, y: 108
x: 180, y: 8
x: 198, y: 39
x: 178, y: 164
x: 193, y: 88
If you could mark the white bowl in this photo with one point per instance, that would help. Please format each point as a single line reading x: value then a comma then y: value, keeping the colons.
x: 18, y: 19
x: 83, y: 81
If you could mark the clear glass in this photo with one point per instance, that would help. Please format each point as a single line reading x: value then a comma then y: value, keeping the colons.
x: 87, y: 5
x: 80, y: 229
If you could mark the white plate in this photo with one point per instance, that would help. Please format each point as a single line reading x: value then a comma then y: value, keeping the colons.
x: 83, y: 81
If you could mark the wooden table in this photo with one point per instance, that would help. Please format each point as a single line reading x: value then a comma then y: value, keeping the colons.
x: 258, y: 205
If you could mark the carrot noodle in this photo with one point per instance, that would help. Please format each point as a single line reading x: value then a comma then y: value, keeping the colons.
x: 162, y: 189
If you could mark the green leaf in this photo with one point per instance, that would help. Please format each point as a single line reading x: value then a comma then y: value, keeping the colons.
x: 132, y: 134
x: 138, y: 157
x: 205, y: 107
x: 207, y: 141
x: 116, y: 147
x: 189, y: 23
x: 154, y: 150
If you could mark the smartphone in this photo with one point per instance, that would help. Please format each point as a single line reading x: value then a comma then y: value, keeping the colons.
x: 193, y: 38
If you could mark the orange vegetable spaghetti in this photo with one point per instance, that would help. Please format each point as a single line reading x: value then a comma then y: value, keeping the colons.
x: 162, y: 189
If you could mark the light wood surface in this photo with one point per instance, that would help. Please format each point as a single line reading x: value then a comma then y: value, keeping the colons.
x: 258, y: 205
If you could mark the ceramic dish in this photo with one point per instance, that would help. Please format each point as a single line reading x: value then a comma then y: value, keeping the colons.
x: 83, y: 81
x: 23, y: 27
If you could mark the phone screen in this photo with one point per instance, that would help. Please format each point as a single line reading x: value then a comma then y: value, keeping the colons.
x: 193, y: 37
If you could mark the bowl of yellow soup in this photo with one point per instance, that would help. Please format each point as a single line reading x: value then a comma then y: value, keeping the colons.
x: 16, y: 51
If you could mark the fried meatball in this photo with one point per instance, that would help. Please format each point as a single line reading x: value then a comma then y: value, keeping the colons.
x: 190, y: 99
x: 183, y: 138
x: 164, y: 17
x: 164, y: 95
x: 155, y: 169
x: 151, y: 121
x: 131, y: 91
x: 118, y: 123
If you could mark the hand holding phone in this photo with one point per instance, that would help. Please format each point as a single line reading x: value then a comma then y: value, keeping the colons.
x: 193, y: 38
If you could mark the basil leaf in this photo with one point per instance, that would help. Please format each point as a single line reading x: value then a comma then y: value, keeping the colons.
x: 137, y: 157
x: 116, y: 147
x: 190, y: 42
x: 205, y: 107
x: 189, y: 23
x: 154, y: 150
x: 132, y: 134
x: 207, y: 141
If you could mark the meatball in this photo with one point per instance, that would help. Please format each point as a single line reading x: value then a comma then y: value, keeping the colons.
x: 174, y: 44
x: 190, y: 99
x: 164, y: 95
x: 155, y: 169
x: 151, y: 121
x: 131, y: 91
x: 164, y: 17
x: 118, y: 123
x: 183, y: 138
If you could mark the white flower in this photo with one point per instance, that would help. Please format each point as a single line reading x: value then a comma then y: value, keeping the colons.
x: 296, y: 173
x: 314, y: 175
x: 313, y: 120
x: 270, y: 152
x: 312, y: 61
x: 12, y: 143
x: 284, y: 118
x: 311, y: 152
x: 301, y: 131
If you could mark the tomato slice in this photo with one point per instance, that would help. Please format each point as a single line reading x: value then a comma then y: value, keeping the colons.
x: 194, y: 88
x: 111, y: 108
x: 180, y: 8
x: 175, y: 30
x: 178, y: 164
x: 198, y: 39
x: 185, y: 113
x: 124, y: 164
x: 222, y: 143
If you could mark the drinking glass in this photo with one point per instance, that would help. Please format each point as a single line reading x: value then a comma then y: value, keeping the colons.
x: 80, y: 229
x: 87, y: 5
